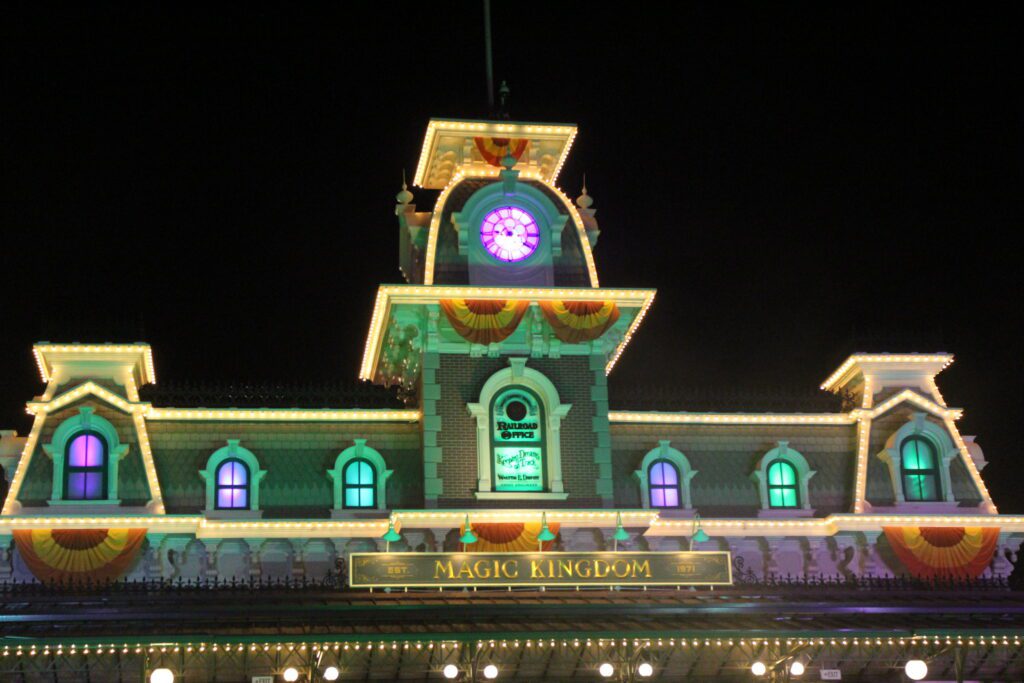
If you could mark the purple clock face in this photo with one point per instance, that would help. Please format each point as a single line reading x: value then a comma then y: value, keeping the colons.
x: 509, y: 234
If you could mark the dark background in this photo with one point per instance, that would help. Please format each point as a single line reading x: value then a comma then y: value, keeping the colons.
x: 797, y: 182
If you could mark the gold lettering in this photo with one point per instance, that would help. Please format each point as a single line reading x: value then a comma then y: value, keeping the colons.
x: 621, y: 569
x: 642, y: 568
x: 482, y: 569
x: 465, y: 569
x: 441, y: 569
x: 510, y: 569
x: 564, y: 569
x: 584, y: 569
x: 536, y: 570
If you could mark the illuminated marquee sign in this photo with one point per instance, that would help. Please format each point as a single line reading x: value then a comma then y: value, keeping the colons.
x: 517, y: 438
x: 442, y: 570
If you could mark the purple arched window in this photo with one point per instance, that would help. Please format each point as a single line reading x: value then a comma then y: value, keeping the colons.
x: 509, y: 234
x: 663, y: 480
x: 232, y: 485
x: 86, y: 468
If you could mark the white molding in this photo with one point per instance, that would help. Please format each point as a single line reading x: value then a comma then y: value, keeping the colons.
x: 782, y: 451
x: 519, y: 495
x: 86, y: 421
x: 517, y: 374
x: 381, y: 475
x: 945, y: 451
x: 664, y: 451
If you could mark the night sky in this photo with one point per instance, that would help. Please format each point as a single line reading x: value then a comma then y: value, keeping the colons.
x: 219, y: 181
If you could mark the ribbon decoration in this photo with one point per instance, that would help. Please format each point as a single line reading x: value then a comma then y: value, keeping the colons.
x: 484, y: 321
x: 493, y: 150
x: 79, y: 555
x: 508, y: 537
x: 579, y: 321
x: 943, y: 552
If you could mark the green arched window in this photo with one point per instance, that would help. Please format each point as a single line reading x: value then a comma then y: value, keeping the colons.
x: 517, y: 441
x: 920, y: 470
x: 782, y: 485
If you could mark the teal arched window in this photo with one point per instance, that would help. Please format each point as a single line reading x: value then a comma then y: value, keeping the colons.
x: 920, y: 470
x: 783, y: 485
x: 517, y: 441
x: 360, y: 484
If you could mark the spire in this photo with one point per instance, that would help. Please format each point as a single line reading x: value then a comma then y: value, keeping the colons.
x: 584, y: 201
x: 404, y: 197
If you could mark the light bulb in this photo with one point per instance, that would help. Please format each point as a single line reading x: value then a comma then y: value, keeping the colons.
x: 606, y: 670
x: 161, y: 675
x: 450, y: 671
x: 796, y: 668
x: 490, y: 671
x: 290, y: 674
x: 916, y: 669
x: 331, y: 673
x: 758, y: 669
x: 645, y: 670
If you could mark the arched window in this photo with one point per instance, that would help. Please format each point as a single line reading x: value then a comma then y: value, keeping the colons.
x: 781, y: 476
x: 86, y: 470
x: 663, y: 483
x: 782, y: 485
x: 517, y: 439
x: 920, y: 470
x: 360, y: 484
x: 232, y: 485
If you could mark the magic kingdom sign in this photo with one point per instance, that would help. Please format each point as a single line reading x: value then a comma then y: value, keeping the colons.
x: 498, y: 570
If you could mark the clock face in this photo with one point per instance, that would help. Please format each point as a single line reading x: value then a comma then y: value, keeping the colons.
x: 509, y: 234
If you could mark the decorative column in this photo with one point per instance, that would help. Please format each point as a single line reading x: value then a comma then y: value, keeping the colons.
x: 255, y: 565
x: 602, y: 430
x: 430, y: 396
x: 6, y: 557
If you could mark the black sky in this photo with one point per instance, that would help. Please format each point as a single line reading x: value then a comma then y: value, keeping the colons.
x: 791, y: 178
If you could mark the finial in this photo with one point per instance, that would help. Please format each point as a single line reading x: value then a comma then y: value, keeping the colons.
x: 404, y: 197
x: 584, y: 201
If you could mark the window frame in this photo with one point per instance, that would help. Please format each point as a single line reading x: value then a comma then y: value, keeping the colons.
x: 103, y: 468
x: 346, y: 486
x: 677, y: 487
x: 358, y: 451
x: 794, y: 487
x: 803, y: 472
x: 933, y: 471
x: 233, y: 451
x: 217, y: 486
x: 540, y: 442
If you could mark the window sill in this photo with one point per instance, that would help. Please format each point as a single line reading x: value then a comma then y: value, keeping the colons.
x: 105, y: 501
x: 784, y: 513
x: 233, y: 514
x: 520, y: 495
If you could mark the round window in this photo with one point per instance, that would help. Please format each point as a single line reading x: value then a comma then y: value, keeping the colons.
x: 515, y: 411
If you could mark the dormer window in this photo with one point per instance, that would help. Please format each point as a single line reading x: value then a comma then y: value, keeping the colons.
x: 663, y: 478
x: 782, y: 485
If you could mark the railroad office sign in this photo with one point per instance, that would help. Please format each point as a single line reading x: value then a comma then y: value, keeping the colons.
x: 498, y: 570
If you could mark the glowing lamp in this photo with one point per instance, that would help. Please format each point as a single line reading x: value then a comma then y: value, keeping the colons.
x: 391, y: 535
x: 450, y: 671
x: 290, y: 674
x: 796, y: 668
x: 161, y: 675
x: 606, y: 670
x: 916, y: 669
x: 469, y: 537
x: 545, y: 534
x: 645, y: 670
x: 701, y: 536
x: 490, y: 671
x: 758, y: 669
x: 331, y: 673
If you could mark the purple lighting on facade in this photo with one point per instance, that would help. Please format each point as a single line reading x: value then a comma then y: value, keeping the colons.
x: 86, y: 463
x: 232, y: 485
x: 509, y: 234
x: 664, y: 483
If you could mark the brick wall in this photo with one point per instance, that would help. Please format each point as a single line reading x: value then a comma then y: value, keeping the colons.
x: 461, y: 379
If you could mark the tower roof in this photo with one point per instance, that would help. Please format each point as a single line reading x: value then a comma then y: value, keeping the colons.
x: 450, y: 145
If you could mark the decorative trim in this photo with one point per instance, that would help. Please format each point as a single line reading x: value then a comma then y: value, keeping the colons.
x: 554, y: 412
x: 803, y: 474
x: 85, y: 421
x: 520, y: 495
x: 945, y: 451
x: 381, y: 474
x: 664, y: 451
x: 209, y: 475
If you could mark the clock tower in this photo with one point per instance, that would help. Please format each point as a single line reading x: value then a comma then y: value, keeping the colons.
x: 502, y: 335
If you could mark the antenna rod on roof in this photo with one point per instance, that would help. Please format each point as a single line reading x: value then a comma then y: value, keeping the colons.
x: 487, y: 50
